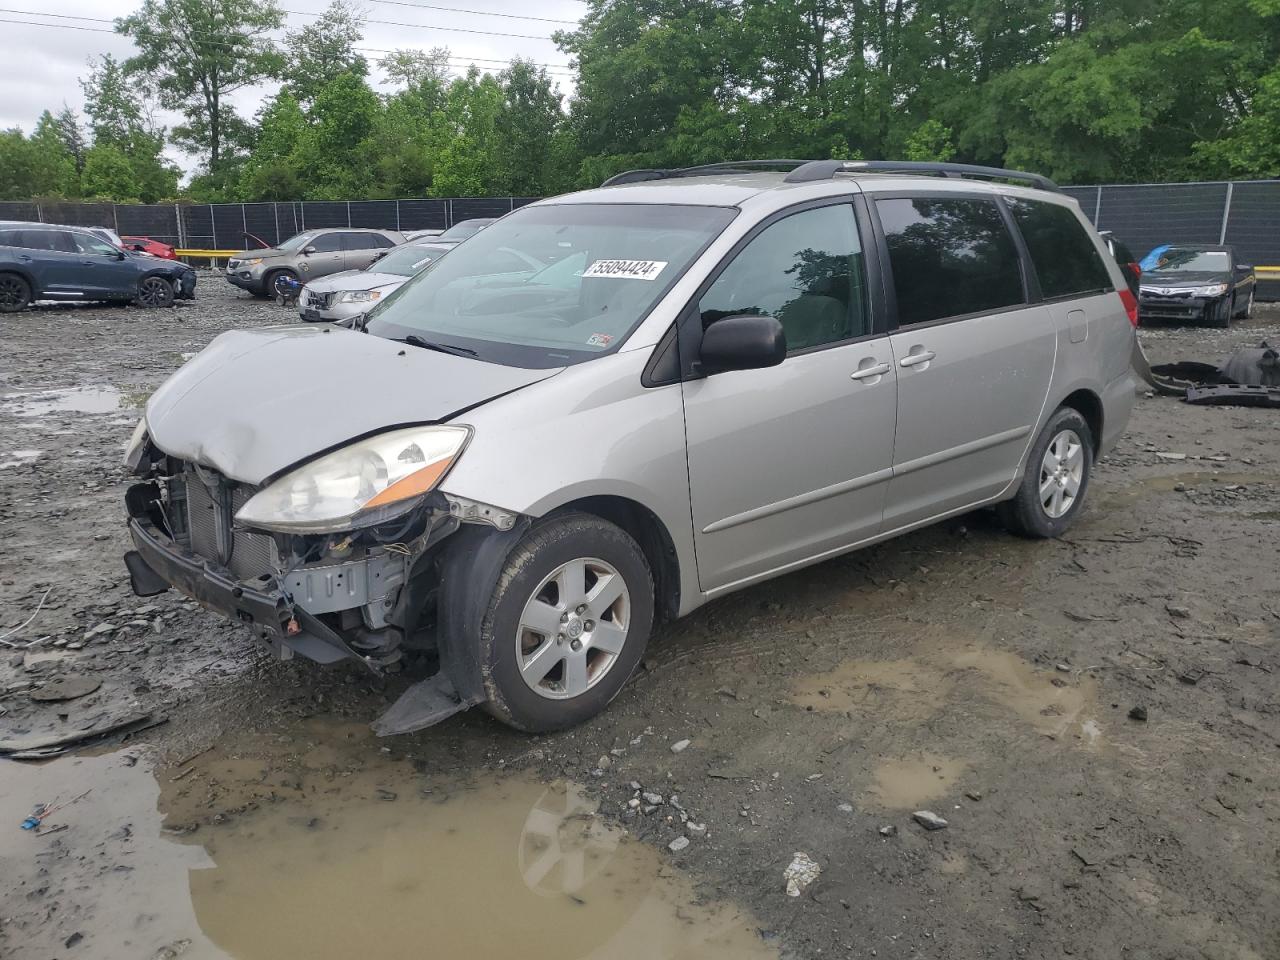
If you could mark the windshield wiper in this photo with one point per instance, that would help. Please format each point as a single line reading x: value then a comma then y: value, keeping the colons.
x: 416, y: 341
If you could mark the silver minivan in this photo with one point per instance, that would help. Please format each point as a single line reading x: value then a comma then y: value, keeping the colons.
x: 714, y: 376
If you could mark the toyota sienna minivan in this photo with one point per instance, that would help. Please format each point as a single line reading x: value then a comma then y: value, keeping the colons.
x: 705, y: 378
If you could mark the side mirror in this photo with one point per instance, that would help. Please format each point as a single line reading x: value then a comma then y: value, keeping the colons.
x: 308, y: 251
x: 1244, y: 266
x: 379, y: 255
x: 744, y: 342
x: 120, y: 255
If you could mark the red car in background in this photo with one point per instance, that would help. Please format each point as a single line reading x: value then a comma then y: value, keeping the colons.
x: 152, y: 247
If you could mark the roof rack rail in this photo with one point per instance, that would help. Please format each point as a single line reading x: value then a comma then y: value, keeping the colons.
x: 641, y: 176
x: 826, y: 169
x: 809, y: 171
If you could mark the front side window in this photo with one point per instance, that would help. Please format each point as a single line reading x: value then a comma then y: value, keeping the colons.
x: 494, y: 297
x: 806, y: 271
x: 91, y: 244
x: 1067, y: 262
x: 949, y: 257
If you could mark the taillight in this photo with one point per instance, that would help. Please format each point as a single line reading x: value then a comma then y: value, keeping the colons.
x: 1136, y: 268
x: 1130, y: 305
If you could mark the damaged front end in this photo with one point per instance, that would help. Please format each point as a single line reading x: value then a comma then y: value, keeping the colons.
x: 368, y: 593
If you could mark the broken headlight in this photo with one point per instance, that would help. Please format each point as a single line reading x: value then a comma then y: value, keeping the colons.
x: 363, y: 484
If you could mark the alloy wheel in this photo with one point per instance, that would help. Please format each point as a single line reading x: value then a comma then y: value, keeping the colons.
x: 1061, y: 474
x: 573, y: 628
x: 154, y: 292
x: 13, y: 294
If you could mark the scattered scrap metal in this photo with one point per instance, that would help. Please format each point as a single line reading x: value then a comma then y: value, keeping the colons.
x: 1249, y: 377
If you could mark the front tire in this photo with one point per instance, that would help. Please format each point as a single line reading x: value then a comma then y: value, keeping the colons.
x: 1056, y: 480
x: 155, y: 292
x: 567, y: 623
x: 15, y: 293
x: 270, y: 283
x: 1247, y: 312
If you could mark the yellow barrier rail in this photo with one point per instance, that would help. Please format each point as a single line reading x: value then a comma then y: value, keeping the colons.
x: 212, y: 254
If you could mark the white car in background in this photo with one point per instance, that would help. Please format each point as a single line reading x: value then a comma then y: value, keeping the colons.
x: 343, y: 295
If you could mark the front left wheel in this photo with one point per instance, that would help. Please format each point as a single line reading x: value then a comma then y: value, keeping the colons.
x: 567, y: 623
x: 155, y: 292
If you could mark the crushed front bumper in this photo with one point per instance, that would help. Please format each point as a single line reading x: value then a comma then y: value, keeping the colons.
x: 157, y: 563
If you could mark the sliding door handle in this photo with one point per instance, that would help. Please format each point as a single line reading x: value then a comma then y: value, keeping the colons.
x: 915, y: 359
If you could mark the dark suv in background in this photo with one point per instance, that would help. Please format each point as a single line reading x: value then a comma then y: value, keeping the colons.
x: 43, y: 262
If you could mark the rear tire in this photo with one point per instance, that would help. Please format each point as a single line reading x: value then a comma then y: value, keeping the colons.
x: 1056, y: 480
x: 15, y: 293
x: 155, y: 292
x: 550, y: 658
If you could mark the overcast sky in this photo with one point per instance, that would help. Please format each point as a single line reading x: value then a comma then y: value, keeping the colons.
x: 41, y: 64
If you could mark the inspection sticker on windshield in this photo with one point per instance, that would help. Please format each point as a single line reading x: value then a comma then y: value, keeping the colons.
x: 599, y: 340
x: 626, y: 269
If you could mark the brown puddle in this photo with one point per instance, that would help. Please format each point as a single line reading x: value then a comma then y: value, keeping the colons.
x: 359, y: 858
x: 911, y: 782
x: 918, y: 688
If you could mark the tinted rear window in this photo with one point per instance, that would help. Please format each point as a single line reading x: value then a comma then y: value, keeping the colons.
x: 1065, y: 258
x: 950, y: 257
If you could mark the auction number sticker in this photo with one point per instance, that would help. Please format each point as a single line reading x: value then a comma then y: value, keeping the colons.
x: 626, y: 269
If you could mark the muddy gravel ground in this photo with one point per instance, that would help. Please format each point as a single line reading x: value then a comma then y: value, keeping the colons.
x: 1096, y: 718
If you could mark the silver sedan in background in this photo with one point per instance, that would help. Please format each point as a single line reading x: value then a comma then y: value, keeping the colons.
x: 346, y: 294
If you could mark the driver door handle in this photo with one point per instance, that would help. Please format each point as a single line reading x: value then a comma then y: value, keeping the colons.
x: 866, y: 373
x: 914, y: 359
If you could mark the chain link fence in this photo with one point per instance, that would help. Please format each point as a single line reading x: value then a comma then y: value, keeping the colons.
x: 1243, y: 213
x: 222, y: 226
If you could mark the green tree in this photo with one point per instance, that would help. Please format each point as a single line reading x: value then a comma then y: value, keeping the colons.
x: 72, y: 135
x: 199, y: 52
x: 269, y: 172
x: 525, y: 129
x: 335, y: 153
x: 108, y: 175
x: 322, y: 51
x: 411, y: 68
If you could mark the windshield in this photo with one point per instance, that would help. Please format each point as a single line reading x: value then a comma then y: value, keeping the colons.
x: 407, y: 260
x: 1187, y: 261
x: 551, y: 285
x: 297, y: 241
x: 464, y: 229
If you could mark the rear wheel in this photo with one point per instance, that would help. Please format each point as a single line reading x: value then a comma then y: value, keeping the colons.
x: 1056, y: 479
x: 15, y: 293
x: 567, y: 623
x: 155, y: 292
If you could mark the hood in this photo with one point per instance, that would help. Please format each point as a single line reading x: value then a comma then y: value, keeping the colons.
x: 355, y: 280
x: 1183, y: 278
x: 255, y: 402
x: 266, y: 254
